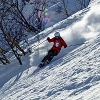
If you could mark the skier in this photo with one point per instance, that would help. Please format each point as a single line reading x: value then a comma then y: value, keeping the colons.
x: 54, y: 51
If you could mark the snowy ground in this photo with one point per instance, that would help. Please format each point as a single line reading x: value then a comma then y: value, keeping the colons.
x: 73, y: 75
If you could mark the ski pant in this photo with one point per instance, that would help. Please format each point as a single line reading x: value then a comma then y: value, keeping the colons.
x: 50, y: 55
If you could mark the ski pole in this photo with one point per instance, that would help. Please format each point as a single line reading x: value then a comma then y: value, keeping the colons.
x: 76, y: 44
x: 40, y: 43
x: 35, y: 46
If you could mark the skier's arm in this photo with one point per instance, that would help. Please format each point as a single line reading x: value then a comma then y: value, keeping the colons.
x: 50, y: 40
x: 64, y: 44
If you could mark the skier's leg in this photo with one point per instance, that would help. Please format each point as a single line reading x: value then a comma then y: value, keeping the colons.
x: 45, y: 59
x: 51, y: 55
x: 48, y: 57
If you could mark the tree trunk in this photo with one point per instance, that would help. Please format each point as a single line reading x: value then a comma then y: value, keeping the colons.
x: 65, y: 8
x: 4, y: 57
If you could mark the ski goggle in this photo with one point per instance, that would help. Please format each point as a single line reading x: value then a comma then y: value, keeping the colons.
x: 57, y: 36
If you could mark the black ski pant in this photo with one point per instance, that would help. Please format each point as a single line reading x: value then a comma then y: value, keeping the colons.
x: 50, y: 55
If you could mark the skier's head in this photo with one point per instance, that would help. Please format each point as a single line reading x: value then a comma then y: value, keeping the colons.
x: 57, y: 35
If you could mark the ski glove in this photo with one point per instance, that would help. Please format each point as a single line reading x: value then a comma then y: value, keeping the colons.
x: 48, y: 38
x: 65, y: 46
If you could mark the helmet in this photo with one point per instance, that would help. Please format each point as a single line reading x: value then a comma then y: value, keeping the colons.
x: 57, y: 34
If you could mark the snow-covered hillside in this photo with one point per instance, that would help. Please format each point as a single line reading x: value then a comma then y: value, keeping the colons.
x: 73, y: 75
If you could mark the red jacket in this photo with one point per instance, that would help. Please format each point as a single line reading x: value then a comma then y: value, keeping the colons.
x: 58, y: 43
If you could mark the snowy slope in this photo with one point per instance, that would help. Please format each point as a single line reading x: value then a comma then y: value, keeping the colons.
x: 69, y: 78
x: 73, y: 75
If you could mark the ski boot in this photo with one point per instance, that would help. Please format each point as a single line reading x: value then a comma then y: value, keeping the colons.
x: 43, y: 63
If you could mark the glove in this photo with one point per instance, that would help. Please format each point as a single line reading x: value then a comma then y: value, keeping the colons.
x: 48, y: 38
x: 65, y: 46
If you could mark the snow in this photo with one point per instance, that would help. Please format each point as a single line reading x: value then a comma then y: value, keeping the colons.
x: 73, y: 75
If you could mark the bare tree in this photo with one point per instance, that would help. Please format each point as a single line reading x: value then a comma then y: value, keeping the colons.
x: 65, y: 7
x: 83, y: 3
x: 11, y: 43
x: 3, y: 59
x: 62, y: 6
x: 38, y: 14
x: 13, y: 25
